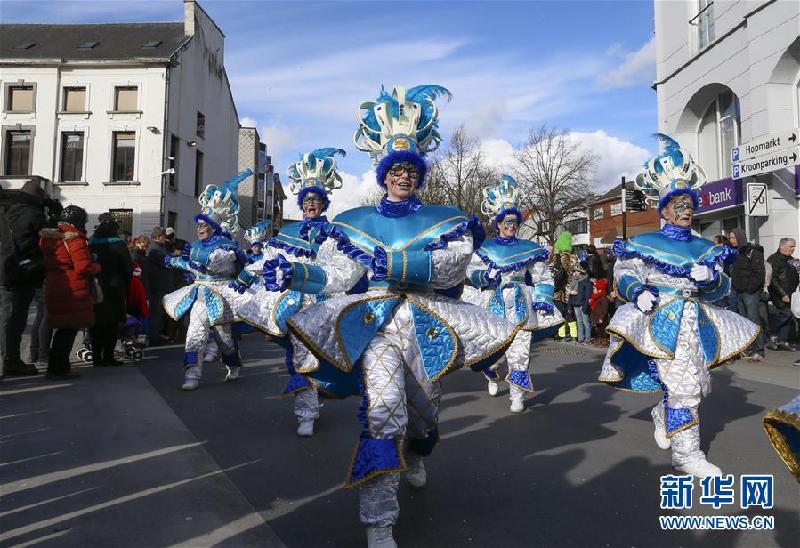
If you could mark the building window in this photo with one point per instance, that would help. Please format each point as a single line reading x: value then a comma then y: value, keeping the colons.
x: 126, y: 98
x: 124, y: 218
x: 576, y: 226
x: 717, y: 134
x: 18, y: 152
x: 124, y: 147
x: 597, y: 213
x: 172, y: 219
x: 201, y: 125
x: 174, y: 150
x: 616, y: 208
x: 74, y: 99
x: 198, y: 173
x: 71, y: 157
x: 704, y: 20
x: 21, y: 98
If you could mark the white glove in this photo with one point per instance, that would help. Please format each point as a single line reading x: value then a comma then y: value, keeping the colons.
x: 646, y: 301
x: 701, y: 273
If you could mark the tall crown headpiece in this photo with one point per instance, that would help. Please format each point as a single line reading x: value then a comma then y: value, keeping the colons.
x: 259, y: 232
x: 671, y: 173
x: 500, y: 197
x: 315, y: 172
x: 403, y: 121
x: 220, y: 204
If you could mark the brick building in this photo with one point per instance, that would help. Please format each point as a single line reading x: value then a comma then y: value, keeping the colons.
x: 605, y: 214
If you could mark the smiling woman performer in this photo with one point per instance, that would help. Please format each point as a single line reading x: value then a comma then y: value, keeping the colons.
x: 213, y: 260
x: 392, y: 344
x: 668, y: 335
x: 510, y: 278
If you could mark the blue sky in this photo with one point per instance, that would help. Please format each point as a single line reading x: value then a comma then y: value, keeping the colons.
x: 299, y: 69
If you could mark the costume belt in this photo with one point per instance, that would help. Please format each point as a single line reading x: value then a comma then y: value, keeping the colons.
x: 212, y: 278
x: 683, y: 293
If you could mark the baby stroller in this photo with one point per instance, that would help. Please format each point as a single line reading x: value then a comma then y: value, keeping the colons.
x: 85, y: 354
x: 133, y: 337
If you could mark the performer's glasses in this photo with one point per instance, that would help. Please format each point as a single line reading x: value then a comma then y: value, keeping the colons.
x: 399, y: 169
x: 510, y: 223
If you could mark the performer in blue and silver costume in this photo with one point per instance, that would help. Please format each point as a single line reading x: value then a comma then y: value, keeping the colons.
x: 669, y: 334
x: 510, y: 278
x: 783, y: 429
x: 213, y: 259
x: 314, y: 177
x: 392, y: 344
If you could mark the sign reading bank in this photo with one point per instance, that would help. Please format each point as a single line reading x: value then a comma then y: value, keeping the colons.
x: 720, y: 195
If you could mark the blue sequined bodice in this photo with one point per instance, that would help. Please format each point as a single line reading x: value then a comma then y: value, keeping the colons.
x: 201, y: 249
x: 683, y: 254
x: 505, y: 254
x: 366, y: 228
x: 289, y: 237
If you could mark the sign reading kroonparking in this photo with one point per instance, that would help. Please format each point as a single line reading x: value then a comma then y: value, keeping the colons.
x: 778, y: 159
x: 765, y: 145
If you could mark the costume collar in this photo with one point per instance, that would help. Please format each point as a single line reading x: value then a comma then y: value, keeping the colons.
x: 405, y: 207
x: 210, y: 241
x: 683, y: 234
x: 506, y: 241
x: 308, y: 224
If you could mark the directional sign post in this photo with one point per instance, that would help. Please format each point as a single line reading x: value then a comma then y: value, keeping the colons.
x: 765, y: 145
x: 757, y: 200
x: 777, y: 159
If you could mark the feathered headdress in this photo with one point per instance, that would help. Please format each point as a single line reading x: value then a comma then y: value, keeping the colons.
x: 671, y: 173
x: 400, y: 127
x: 315, y: 172
x: 220, y: 204
x: 258, y: 233
x: 501, y: 199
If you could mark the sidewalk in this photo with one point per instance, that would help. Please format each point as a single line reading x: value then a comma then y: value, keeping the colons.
x: 103, y: 461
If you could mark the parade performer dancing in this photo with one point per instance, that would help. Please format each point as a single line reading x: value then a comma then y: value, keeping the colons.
x: 213, y: 260
x: 313, y: 178
x: 668, y: 335
x: 510, y: 278
x: 783, y: 429
x: 393, y: 343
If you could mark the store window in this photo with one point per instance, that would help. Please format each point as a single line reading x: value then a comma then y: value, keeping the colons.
x: 597, y: 213
x: 124, y: 147
x: 72, y: 146
x: 718, y: 133
x: 576, y: 226
x: 124, y: 218
x: 704, y: 21
x: 17, y: 154
x: 201, y: 125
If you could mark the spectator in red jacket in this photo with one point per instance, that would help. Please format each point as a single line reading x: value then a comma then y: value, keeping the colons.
x: 598, y: 306
x: 70, y: 294
x: 137, y: 296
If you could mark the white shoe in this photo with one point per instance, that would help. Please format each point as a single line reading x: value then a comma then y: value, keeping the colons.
x: 190, y: 384
x: 306, y: 428
x: 517, y: 405
x: 700, y: 468
x: 233, y: 373
x: 493, y: 388
x: 380, y: 537
x: 659, y: 431
x: 191, y: 378
x: 416, y: 476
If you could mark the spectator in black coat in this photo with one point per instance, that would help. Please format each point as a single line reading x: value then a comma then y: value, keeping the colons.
x: 159, y: 283
x: 22, y: 216
x: 747, y: 279
x: 784, y: 282
x: 111, y: 252
x: 595, y: 267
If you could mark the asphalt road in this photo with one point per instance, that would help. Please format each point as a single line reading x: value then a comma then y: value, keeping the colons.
x: 578, y: 468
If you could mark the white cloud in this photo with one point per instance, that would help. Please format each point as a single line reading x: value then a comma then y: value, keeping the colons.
x: 634, y: 68
x: 354, y: 190
x: 281, y: 140
x: 498, y: 153
x: 246, y: 121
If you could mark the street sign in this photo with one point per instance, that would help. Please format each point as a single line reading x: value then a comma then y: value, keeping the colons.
x: 765, y: 145
x: 768, y: 162
x: 757, y: 200
x: 634, y: 200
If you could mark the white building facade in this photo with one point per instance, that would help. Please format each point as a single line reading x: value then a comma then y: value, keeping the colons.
x: 130, y: 118
x: 728, y: 72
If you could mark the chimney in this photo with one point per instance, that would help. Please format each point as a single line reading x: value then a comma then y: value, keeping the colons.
x: 189, y: 20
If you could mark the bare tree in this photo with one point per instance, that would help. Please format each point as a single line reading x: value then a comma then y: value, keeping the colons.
x: 554, y: 177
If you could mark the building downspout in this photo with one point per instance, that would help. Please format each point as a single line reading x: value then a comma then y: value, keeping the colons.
x: 162, y: 207
x: 55, y: 129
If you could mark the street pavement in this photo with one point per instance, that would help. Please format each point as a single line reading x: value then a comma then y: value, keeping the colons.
x: 122, y: 457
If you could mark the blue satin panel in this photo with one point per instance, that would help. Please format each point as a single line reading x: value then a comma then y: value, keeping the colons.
x: 543, y: 293
x: 635, y: 369
x: 436, y: 344
x: 497, y: 305
x: 308, y: 278
x: 676, y: 418
x: 246, y: 278
x: 366, y: 228
x: 521, y: 379
x: 287, y: 306
x: 520, y: 305
x: 335, y: 383
x: 372, y: 456
x: 673, y: 257
x: 189, y: 358
x: 666, y: 324
x: 424, y: 446
x: 510, y: 257
x: 214, y: 305
x: 296, y: 383
x: 419, y: 267
x: 626, y: 285
x: 709, y: 338
x: 490, y: 374
x: 290, y: 240
x: 201, y: 249
x: 478, y: 278
x: 720, y: 290
x: 186, y: 303
x: 179, y: 262
x: 359, y: 324
x: 791, y: 435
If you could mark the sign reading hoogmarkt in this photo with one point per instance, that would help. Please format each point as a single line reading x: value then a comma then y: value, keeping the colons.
x: 765, y: 145
x: 766, y: 163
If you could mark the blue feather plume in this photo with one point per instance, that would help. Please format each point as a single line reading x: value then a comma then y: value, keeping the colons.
x: 323, y: 153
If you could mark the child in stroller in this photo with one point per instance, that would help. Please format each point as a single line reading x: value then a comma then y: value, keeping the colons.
x: 134, y: 338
